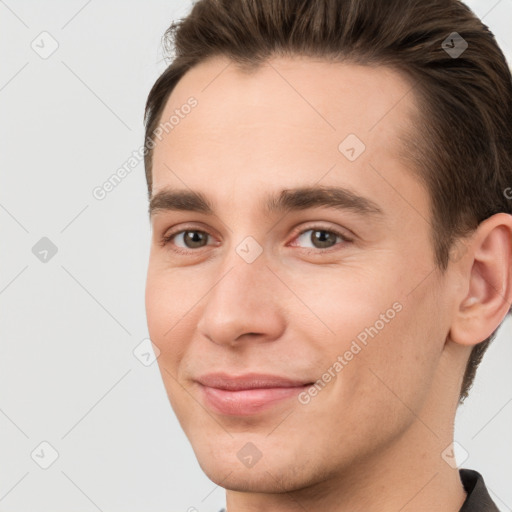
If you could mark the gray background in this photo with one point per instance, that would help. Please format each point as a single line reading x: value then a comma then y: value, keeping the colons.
x: 69, y: 326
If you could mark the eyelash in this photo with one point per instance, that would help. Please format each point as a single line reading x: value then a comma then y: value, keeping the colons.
x: 167, y: 239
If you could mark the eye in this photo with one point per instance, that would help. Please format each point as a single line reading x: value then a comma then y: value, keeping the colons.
x: 322, y: 239
x: 190, y: 238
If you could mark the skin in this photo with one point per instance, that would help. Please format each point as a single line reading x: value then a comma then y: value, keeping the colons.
x: 372, y: 439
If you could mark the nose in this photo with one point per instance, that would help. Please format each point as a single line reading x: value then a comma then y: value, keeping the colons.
x: 243, y: 305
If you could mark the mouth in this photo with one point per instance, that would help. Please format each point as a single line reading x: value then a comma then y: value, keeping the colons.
x: 247, y: 394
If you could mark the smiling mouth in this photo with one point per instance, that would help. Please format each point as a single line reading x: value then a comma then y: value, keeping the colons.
x: 249, y: 394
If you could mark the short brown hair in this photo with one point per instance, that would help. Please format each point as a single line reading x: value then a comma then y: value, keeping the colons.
x: 462, y: 147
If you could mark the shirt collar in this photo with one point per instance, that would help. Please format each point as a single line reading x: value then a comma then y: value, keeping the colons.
x: 478, y: 498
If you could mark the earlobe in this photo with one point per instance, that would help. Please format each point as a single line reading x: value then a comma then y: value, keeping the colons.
x: 488, y: 282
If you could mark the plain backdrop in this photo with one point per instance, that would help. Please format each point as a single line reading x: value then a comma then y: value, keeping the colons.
x: 74, y: 77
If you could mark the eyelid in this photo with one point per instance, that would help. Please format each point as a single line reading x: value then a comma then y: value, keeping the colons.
x: 344, y: 233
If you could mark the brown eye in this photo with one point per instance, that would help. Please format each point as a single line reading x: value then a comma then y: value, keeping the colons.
x: 188, y: 239
x: 320, y: 238
x: 323, y: 239
x: 194, y: 239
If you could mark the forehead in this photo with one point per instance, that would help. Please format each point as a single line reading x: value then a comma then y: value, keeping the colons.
x: 287, y: 123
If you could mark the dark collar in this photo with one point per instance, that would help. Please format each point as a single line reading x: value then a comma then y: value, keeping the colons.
x: 478, y: 499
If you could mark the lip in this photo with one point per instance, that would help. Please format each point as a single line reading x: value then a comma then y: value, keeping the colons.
x: 247, y: 394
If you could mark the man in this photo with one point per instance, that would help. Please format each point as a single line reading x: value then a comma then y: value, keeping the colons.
x: 332, y: 245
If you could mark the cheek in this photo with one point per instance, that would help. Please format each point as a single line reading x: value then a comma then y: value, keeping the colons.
x: 400, y: 357
x: 386, y: 336
x: 168, y: 297
x: 157, y: 306
x: 167, y: 330
x: 345, y: 303
x: 166, y: 315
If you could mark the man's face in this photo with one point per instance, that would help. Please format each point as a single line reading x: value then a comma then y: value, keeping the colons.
x: 347, y: 297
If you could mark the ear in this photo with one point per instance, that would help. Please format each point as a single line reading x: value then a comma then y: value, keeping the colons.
x: 485, y: 291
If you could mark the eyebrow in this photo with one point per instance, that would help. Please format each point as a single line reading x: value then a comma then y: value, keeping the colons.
x: 293, y: 199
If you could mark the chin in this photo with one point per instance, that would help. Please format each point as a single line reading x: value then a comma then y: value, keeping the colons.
x: 269, y: 477
x: 276, y: 470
